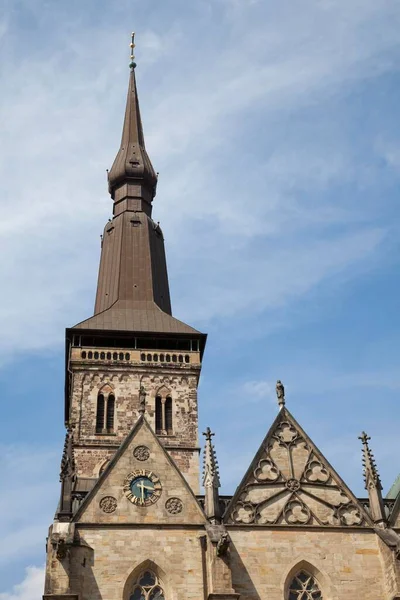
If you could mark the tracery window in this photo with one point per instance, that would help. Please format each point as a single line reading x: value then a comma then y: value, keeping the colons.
x: 304, y: 587
x: 147, y: 587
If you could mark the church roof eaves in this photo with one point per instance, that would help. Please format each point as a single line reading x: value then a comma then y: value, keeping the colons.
x: 137, y: 317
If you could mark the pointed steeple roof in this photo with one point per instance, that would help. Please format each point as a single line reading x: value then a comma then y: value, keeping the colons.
x: 132, y: 163
x: 132, y: 288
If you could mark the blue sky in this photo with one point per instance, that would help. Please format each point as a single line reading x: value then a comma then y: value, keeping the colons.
x: 276, y: 133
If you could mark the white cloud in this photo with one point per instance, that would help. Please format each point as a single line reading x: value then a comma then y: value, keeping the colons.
x: 253, y: 391
x: 31, y: 588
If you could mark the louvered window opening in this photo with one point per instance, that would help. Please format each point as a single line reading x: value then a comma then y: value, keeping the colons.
x: 105, y: 413
x: 110, y: 413
x: 168, y: 415
x: 304, y: 587
x: 100, y: 414
x: 164, y: 415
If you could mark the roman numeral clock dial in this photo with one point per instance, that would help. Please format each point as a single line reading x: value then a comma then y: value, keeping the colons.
x: 142, y: 487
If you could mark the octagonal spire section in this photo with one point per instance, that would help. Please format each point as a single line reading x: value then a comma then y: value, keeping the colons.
x: 132, y: 180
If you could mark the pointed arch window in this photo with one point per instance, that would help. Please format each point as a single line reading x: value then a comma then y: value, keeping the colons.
x: 163, y: 414
x: 100, y: 414
x: 147, y: 587
x: 304, y: 587
x: 110, y: 413
x: 105, y: 411
x: 168, y: 415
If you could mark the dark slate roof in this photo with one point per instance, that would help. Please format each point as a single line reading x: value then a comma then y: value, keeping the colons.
x: 136, y: 317
x: 132, y: 161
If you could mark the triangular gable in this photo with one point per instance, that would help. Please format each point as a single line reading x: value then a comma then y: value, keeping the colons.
x: 290, y: 482
x: 141, y: 454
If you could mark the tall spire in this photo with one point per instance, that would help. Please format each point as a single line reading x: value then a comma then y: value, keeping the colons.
x: 132, y: 289
x: 132, y: 176
x: 211, y: 480
x: 372, y: 482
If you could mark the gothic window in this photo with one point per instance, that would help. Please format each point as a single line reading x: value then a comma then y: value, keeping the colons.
x: 168, y: 415
x: 110, y: 413
x: 100, y: 414
x: 105, y: 411
x: 304, y: 587
x: 164, y: 414
x: 158, y: 415
x: 147, y: 587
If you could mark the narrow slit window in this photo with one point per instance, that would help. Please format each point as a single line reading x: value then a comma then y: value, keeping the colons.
x: 100, y: 414
x: 159, y: 423
x: 168, y: 415
x: 110, y: 413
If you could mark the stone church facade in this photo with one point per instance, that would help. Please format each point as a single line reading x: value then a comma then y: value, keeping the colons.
x: 131, y: 523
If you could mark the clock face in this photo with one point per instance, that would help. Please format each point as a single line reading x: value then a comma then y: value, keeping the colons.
x: 142, y: 487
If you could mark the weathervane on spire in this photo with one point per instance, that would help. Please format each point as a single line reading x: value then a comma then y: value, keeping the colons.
x: 132, y: 64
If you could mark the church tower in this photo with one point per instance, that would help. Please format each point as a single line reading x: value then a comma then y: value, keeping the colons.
x: 132, y: 341
x: 131, y: 523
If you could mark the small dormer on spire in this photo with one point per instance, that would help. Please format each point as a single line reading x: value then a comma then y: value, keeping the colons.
x: 132, y: 179
x: 372, y: 483
x: 211, y: 480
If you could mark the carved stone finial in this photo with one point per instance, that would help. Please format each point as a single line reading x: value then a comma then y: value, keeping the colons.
x: 371, y: 475
x: 67, y: 476
x: 211, y: 480
x: 372, y: 483
x: 68, y: 458
x: 280, y: 393
x: 142, y: 400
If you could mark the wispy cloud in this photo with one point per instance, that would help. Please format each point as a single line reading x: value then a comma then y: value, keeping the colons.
x: 31, y: 588
x: 62, y: 131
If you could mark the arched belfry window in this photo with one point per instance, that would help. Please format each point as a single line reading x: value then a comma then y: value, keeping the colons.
x: 304, y: 587
x: 147, y: 587
x: 105, y: 411
x: 164, y: 425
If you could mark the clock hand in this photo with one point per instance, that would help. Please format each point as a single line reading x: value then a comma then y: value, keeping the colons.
x: 146, y: 487
x: 141, y: 486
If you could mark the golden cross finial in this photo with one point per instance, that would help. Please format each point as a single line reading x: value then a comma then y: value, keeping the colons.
x: 132, y: 64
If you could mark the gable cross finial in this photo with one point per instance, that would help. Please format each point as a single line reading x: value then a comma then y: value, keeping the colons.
x: 142, y: 399
x: 132, y: 64
x: 280, y: 393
